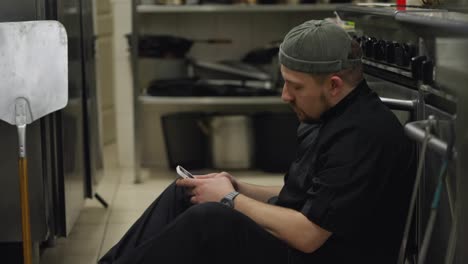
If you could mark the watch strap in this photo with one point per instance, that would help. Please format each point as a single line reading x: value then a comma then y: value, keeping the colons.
x: 229, y: 199
x: 232, y: 195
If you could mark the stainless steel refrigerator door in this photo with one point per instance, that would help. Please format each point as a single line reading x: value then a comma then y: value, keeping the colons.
x: 71, y: 149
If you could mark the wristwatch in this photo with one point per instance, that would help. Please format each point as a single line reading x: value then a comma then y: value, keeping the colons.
x: 228, y: 200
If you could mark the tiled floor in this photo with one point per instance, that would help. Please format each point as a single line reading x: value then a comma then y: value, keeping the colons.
x: 98, y: 229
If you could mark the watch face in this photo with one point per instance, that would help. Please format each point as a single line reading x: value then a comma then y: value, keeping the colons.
x: 227, y: 202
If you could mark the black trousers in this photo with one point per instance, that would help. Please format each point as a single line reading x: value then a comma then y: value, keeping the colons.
x: 173, y: 231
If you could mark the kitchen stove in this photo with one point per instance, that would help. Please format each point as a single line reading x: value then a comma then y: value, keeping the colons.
x: 416, y: 60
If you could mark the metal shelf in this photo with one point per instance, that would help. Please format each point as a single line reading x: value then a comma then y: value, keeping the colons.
x: 227, y: 100
x: 234, y: 8
x: 447, y: 22
x: 390, y: 68
x: 141, y: 12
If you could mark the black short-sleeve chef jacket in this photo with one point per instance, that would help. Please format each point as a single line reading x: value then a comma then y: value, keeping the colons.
x: 353, y: 177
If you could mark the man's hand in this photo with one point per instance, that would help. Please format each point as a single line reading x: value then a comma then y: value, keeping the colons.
x: 219, y: 175
x: 207, y: 188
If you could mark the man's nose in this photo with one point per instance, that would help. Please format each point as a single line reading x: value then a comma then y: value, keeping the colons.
x: 285, y: 95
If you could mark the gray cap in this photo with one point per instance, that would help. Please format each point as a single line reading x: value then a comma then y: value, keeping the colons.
x: 317, y: 46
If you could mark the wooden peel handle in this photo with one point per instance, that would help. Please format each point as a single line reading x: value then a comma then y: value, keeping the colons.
x: 25, y: 215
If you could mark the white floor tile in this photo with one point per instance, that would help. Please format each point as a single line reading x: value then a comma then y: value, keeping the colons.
x: 132, y: 201
x: 124, y: 216
x: 80, y: 248
x: 93, y: 213
x: 80, y: 259
x: 57, y: 256
x: 116, y: 231
x: 87, y: 232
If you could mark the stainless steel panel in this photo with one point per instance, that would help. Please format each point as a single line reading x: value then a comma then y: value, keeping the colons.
x: 72, y: 155
x: 18, y: 10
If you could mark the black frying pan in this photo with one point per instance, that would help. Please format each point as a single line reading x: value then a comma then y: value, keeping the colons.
x: 168, y: 46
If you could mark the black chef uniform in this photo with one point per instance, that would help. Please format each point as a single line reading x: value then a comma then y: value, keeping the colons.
x: 353, y: 177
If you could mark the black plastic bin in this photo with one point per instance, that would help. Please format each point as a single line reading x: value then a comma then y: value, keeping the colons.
x: 275, y: 140
x: 186, y: 143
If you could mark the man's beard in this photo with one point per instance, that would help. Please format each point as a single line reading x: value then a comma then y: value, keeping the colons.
x: 304, y: 117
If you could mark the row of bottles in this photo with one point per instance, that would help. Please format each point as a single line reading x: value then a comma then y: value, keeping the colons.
x: 401, y: 55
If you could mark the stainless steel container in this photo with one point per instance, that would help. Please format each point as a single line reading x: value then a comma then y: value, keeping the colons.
x: 232, y: 143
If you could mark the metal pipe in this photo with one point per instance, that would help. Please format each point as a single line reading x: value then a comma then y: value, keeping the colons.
x: 415, y: 131
x: 433, y: 215
x: 136, y: 92
x: 414, y: 196
x: 22, y: 140
x: 398, y: 104
x: 452, y: 244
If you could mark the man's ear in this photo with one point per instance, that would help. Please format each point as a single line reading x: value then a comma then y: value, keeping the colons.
x: 336, y: 85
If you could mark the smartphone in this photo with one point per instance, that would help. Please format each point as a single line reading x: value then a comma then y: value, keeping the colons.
x: 183, y: 172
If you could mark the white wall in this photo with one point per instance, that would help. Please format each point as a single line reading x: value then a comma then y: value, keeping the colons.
x: 105, y: 70
x: 123, y: 84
